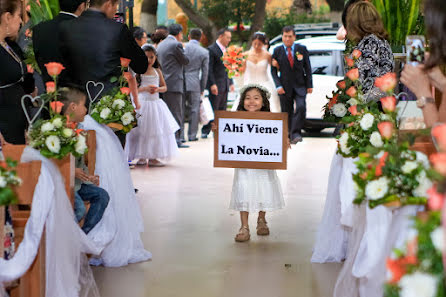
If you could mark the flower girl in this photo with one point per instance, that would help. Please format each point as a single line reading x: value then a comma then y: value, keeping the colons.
x: 255, y: 190
x: 154, y: 137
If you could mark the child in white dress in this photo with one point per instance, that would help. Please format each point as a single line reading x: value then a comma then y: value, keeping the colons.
x: 255, y: 190
x: 154, y: 137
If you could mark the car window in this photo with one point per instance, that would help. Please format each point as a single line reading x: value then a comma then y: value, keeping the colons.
x: 326, y: 63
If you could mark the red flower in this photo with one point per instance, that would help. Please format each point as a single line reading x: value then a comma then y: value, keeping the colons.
x: 56, y: 106
x: 356, y: 54
x: 397, y: 269
x: 54, y: 68
x: 382, y: 162
x: 438, y: 160
x: 435, y: 201
x: 333, y: 101
x: 439, y: 132
x: 350, y: 62
x: 351, y: 92
x: 353, y: 74
x: 387, y: 82
x: 388, y: 103
x: 50, y: 87
x: 127, y: 75
x: 70, y: 124
x: 29, y: 68
x: 353, y: 110
x: 78, y: 131
x: 125, y: 62
x: 386, y: 129
x: 125, y: 91
x: 341, y: 84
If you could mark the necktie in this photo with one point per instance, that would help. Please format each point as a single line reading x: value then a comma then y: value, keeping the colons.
x: 290, y: 57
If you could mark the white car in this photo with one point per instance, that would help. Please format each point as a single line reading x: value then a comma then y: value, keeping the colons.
x: 327, y: 64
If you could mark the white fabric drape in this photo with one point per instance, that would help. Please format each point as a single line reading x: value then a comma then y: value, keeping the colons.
x: 120, y: 228
x: 67, y: 272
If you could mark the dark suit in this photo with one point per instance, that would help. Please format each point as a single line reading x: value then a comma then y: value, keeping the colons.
x: 217, y: 76
x: 46, y: 43
x: 91, y: 47
x: 295, y: 81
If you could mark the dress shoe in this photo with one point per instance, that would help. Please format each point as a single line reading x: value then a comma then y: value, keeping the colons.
x: 183, y: 140
x: 180, y: 145
x: 204, y: 136
x: 296, y: 139
x: 193, y: 139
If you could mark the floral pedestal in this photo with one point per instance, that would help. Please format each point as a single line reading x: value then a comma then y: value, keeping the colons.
x: 66, y: 167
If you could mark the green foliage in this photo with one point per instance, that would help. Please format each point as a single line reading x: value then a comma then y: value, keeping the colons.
x: 276, y: 20
x: 224, y: 12
x: 43, y: 10
x: 401, y: 18
x: 8, y: 178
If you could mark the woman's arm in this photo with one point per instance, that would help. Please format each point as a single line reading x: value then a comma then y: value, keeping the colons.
x: 133, y: 86
x: 162, y: 88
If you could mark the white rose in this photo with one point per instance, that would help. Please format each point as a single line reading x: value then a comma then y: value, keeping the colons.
x: 2, y: 182
x: 424, y: 184
x: 81, y: 145
x: 118, y: 103
x: 437, y: 237
x: 409, y: 166
x: 47, y: 126
x: 418, y: 284
x: 352, y: 102
x: 57, y: 122
x: 67, y: 132
x: 367, y: 121
x: 105, y: 113
x: 127, y: 118
x: 343, y: 140
x: 53, y: 143
x: 95, y: 110
x: 377, y: 189
x: 376, y: 139
x: 422, y: 158
x: 384, y: 117
x: 339, y: 110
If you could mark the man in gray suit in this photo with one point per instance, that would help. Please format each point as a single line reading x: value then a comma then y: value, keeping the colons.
x: 196, y: 76
x: 172, y: 59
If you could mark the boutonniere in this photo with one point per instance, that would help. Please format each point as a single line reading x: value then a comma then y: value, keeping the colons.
x: 299, y: 56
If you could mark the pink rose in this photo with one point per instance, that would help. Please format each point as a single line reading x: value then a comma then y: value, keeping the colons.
x: 387, y: 82
x: 56, y: 106
x: 125, y: 62
x: 438, y: 161
x: 50, y: 87
x: 356, y: 54
x: 386, y: 129
x: 435, y: 201
x: 341, y: 84
x: 353, y: 74
x: 351, y: 92
x: 350, y: 63
x: 388, y: 103
x: 439, y: 132
x: 125, y: 91
x: 54, y: 68
x: 353, y: 110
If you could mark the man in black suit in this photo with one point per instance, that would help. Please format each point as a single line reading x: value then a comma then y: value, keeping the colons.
x: 294, y: 82
x: 46, y: 35
x: 91, y: 46
x: 218, y: 82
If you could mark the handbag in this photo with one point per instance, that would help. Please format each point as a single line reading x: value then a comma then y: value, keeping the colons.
x: 206, y: 111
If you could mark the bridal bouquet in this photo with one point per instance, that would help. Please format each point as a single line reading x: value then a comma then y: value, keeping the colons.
x: 233, y: 60
x: 417, y: 269
x: 116, y: 109
x: 395, y: 176
x: 8, y: 179
x: 348, y: 94
x: 56, y: 137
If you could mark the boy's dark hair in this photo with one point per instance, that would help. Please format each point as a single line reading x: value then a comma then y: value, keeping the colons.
x: 287, y: 29
x: 265, y: 100
x: 175, y: 29
x: 138, y: 32
x: 222, y: 31
x: 99, y: 3
x: 70, y: 95
x: 195, y: 33
x: 70, y: 5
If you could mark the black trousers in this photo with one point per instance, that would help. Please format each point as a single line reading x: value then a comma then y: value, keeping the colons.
x: 219, y: 102
x: 296, y: 117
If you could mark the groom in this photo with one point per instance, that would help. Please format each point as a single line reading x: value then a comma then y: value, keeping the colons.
x: 294, y: 81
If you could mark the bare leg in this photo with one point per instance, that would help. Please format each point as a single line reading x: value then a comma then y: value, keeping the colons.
x: 262, y: 227
x: 243, y: 233
x: 244, y: 218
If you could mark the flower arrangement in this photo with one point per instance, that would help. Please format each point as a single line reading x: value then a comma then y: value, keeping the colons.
x: 8, y: 179
x: 56, y: 137
x: 116, y: 109
x: 233, y: 60
x: 417, y: 269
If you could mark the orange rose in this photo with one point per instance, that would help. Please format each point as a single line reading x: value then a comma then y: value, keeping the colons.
x: 356, y: 54
x: 350, y: 63
x: 353, y: 110
x: 382, y: 162
x: 341, y: 84
x: 351, y: 92
x: 435, y: 201
x: 386, y: 129
x: 56, y: 106
x: 439, y: 132
x: 79, y: 131
x: 438, y: 160
x: 50, y: 87
x: 127, y: 75
x: 29, y: 68
x: 397, y: 270
x: 353, y: 74
x: 388, y: 103
x: 125, y: 62
x: 54, y: 68
x: 125, y: 91
x: 364, y: 175
x: 333, y: 101
x: 387, y: 82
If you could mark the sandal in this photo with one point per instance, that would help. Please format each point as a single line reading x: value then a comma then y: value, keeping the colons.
x: 141, y: 162
x: 262, y: 227
x: 156, y: 163
x: 243, y: 234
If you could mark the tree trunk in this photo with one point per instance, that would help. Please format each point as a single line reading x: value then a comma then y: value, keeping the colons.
x: 302, y: 6
x: 148, y: 20
x: 336, y: 5
x: 208, y: 27
x: 259, y: 18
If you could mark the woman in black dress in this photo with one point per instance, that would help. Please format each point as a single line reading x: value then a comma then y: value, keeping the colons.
x: 15, y: 81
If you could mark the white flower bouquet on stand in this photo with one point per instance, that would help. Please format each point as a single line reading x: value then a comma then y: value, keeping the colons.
x: 8, y: 179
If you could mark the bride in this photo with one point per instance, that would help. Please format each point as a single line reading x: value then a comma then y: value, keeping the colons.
x: 257, y: 68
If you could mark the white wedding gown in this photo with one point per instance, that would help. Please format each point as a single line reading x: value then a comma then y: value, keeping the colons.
x: 260, y: 73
